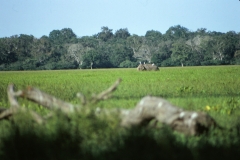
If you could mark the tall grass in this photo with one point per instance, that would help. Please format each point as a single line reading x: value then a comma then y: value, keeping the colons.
x: 182, y: 86
x: 192, y: 88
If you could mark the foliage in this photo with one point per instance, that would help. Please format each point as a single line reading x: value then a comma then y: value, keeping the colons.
x: 128, y: 64
x: 180, y: 52
x: 177, y: 32
x: 105, y: 34
x: 122, y: 33
x: 65, y: 35
x: 62, y: 49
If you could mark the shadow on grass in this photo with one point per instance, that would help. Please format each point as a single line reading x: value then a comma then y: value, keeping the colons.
x: 63, y: 141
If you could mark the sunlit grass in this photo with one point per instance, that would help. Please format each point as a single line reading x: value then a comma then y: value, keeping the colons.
x: 189, y: 87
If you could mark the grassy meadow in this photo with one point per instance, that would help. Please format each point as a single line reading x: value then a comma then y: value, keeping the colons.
x: 192, y: 88
x: 214, y: 89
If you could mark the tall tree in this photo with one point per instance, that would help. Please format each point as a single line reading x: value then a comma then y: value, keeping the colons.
x: 65, y: 35
x: 90, y: 59
x: 176, y: 32
x: 152, y: 43
x: 180, y: 52
x: 201, y: 31
x: 8, y: 47
x: 153, y: 35
x: 105, y: 34
x: 119, y: 53
x: 161, y: 55
x: 134, y: 42
x: 89, y: 41
x: 122, y: 33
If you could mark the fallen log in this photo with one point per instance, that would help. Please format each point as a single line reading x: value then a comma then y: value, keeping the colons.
x: 148, y: 109
x: 158, y: 109
x: 46, y: 100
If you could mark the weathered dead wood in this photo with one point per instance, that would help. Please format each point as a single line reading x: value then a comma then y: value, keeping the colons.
x: 46, y: 100
x: 101, y: 96
x: 39, y: 119
x: 155, y: 108
x: 6, y: 113
x: 82, y: 98
x: 107, y: 93
x: 12, y: 96
x: 2, y: 110
x: 14, y: 106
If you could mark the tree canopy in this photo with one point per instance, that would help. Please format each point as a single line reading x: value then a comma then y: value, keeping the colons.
x: 62, y: 49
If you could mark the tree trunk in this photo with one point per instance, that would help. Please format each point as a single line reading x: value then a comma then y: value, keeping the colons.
x: 91, y: 64
x: 181, y: 64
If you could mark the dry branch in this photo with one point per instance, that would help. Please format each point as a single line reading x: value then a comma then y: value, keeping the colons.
x: 46, y: 100
x: 14, y: 106
x: 82, y: 98
x: 8, y: 112
x: 37, y: 117
x: 107, y: 93
x: 155, y: 108
x: 12, y: 96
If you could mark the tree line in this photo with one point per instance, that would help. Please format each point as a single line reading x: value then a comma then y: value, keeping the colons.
x: 62, y: 49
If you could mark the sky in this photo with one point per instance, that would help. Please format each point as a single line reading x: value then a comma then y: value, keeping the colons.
x: 86, y: 17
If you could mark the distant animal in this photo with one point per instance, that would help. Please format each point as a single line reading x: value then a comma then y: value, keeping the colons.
x: 147, y: 67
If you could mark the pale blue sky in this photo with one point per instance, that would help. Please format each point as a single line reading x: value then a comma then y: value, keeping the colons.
x: 86, y: 17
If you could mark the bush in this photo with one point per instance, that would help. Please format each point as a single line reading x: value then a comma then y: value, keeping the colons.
x: 169, y: 62
x: 128, y: 64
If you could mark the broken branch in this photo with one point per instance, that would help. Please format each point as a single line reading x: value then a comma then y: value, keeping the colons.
x: 106, y: 94
x: 46, y: 100
x: 12, y: 96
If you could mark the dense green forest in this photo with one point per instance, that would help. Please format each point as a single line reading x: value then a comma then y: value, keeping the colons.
x: 63, y: 49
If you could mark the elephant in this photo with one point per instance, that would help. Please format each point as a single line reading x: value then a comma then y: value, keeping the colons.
x: 147, y: 67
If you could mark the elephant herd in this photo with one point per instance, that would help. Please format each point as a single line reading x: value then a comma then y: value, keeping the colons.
x: 147, y: 67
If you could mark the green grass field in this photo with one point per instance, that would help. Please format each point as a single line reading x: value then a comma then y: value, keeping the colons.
x: 189, y: 87
x: 214, y: 89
